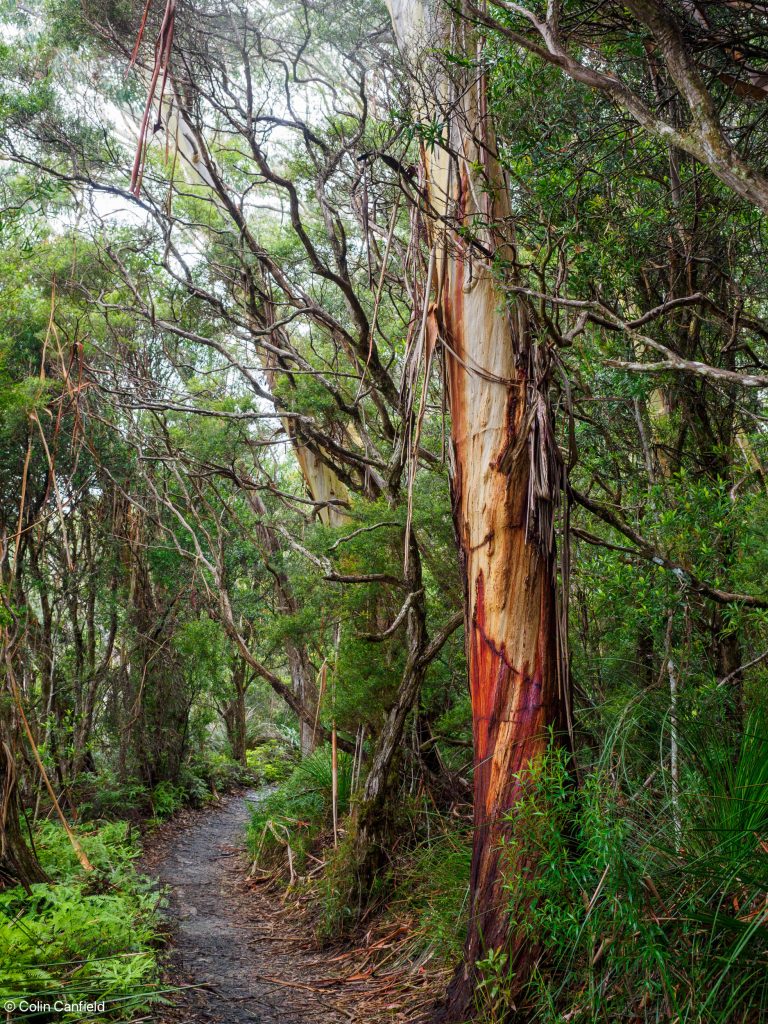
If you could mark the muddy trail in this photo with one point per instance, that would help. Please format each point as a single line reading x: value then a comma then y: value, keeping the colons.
x: 234, y: 956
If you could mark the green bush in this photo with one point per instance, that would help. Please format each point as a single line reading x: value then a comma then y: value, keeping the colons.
x: 634, y: 921
x: 104, y: 796
x: 83, y: 937
x: 297, y: 812
x: 167, y: 799
x: 270, y: 762
x: 209, y: 774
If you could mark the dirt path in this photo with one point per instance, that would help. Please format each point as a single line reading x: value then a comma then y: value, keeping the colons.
x: 230, y: 943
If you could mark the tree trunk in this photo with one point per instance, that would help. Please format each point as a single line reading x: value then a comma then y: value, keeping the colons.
x: 18, y: 864
x: 232, y: 716
x: 505, y: 483
x: 234, y: 713
x: 303, y: 678
x: 299, y: 663
x: 159, y: 705
x: 372, y: 823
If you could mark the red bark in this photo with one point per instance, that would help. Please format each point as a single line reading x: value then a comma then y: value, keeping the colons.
x: 517, y: 703
x: 506, y: 477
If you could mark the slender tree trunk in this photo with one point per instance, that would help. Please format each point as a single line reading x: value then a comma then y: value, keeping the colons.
x: 234, y: 720
x: 158, y: 704
x: 234, y: 713
x: 299, y: 663
x: 303, y: 678
x: 372, y: 824
x: 505, y: 481
x: 238, y: 747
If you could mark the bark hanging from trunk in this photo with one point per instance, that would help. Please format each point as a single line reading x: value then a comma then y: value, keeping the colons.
x: 505, y: 483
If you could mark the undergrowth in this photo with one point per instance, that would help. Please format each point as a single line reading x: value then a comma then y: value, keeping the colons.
x: 270, y: 762
x: 201, y: 780
x: 426, y: 882
x: 288, y: 821
x: 83, y: 937
x: 639, y: 919
x: 432, y: 887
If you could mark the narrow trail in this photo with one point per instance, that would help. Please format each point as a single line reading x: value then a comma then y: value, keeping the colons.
x: 233, y: 954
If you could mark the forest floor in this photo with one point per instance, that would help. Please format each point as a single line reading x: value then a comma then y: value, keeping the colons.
x: 241, y: 954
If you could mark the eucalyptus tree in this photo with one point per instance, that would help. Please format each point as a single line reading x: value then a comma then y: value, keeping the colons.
x: 642, y: 269
x: 507, y: 470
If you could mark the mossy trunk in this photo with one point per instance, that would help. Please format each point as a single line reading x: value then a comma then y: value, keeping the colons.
x: 234, y: 714
x: 374, y: 819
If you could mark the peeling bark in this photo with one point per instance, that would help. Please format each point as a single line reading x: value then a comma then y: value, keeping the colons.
x: 505, y: 482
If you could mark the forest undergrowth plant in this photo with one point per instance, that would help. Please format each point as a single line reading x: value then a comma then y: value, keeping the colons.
x: 102, y: 795
x: 494, y: 988
x: 79, y: 938
x: 271, y: 762
x: 627, y: 921
x: 166, y: 800
x: 425, y: 883
x: 584, y: 906
x: 345, y: 904
x: 726, y: 869
x: 431, y: 887
x: 287, y: 822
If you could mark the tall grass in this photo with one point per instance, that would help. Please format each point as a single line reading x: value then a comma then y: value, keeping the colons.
x: 634, y: 921
x: 288, y: 821
x: 431, y: 886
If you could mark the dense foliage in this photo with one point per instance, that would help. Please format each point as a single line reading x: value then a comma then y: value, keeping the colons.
x: 83, y: 940
x: 229, y: 537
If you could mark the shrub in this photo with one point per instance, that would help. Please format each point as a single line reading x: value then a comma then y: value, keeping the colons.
x: 270, y: 762
x: 167, y: 799
x: 104, y: 796
x: 635, y: 922
x: 296, y: 812
x: 433, y: 885
x: 83, y: 937
x: 209, y: 774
